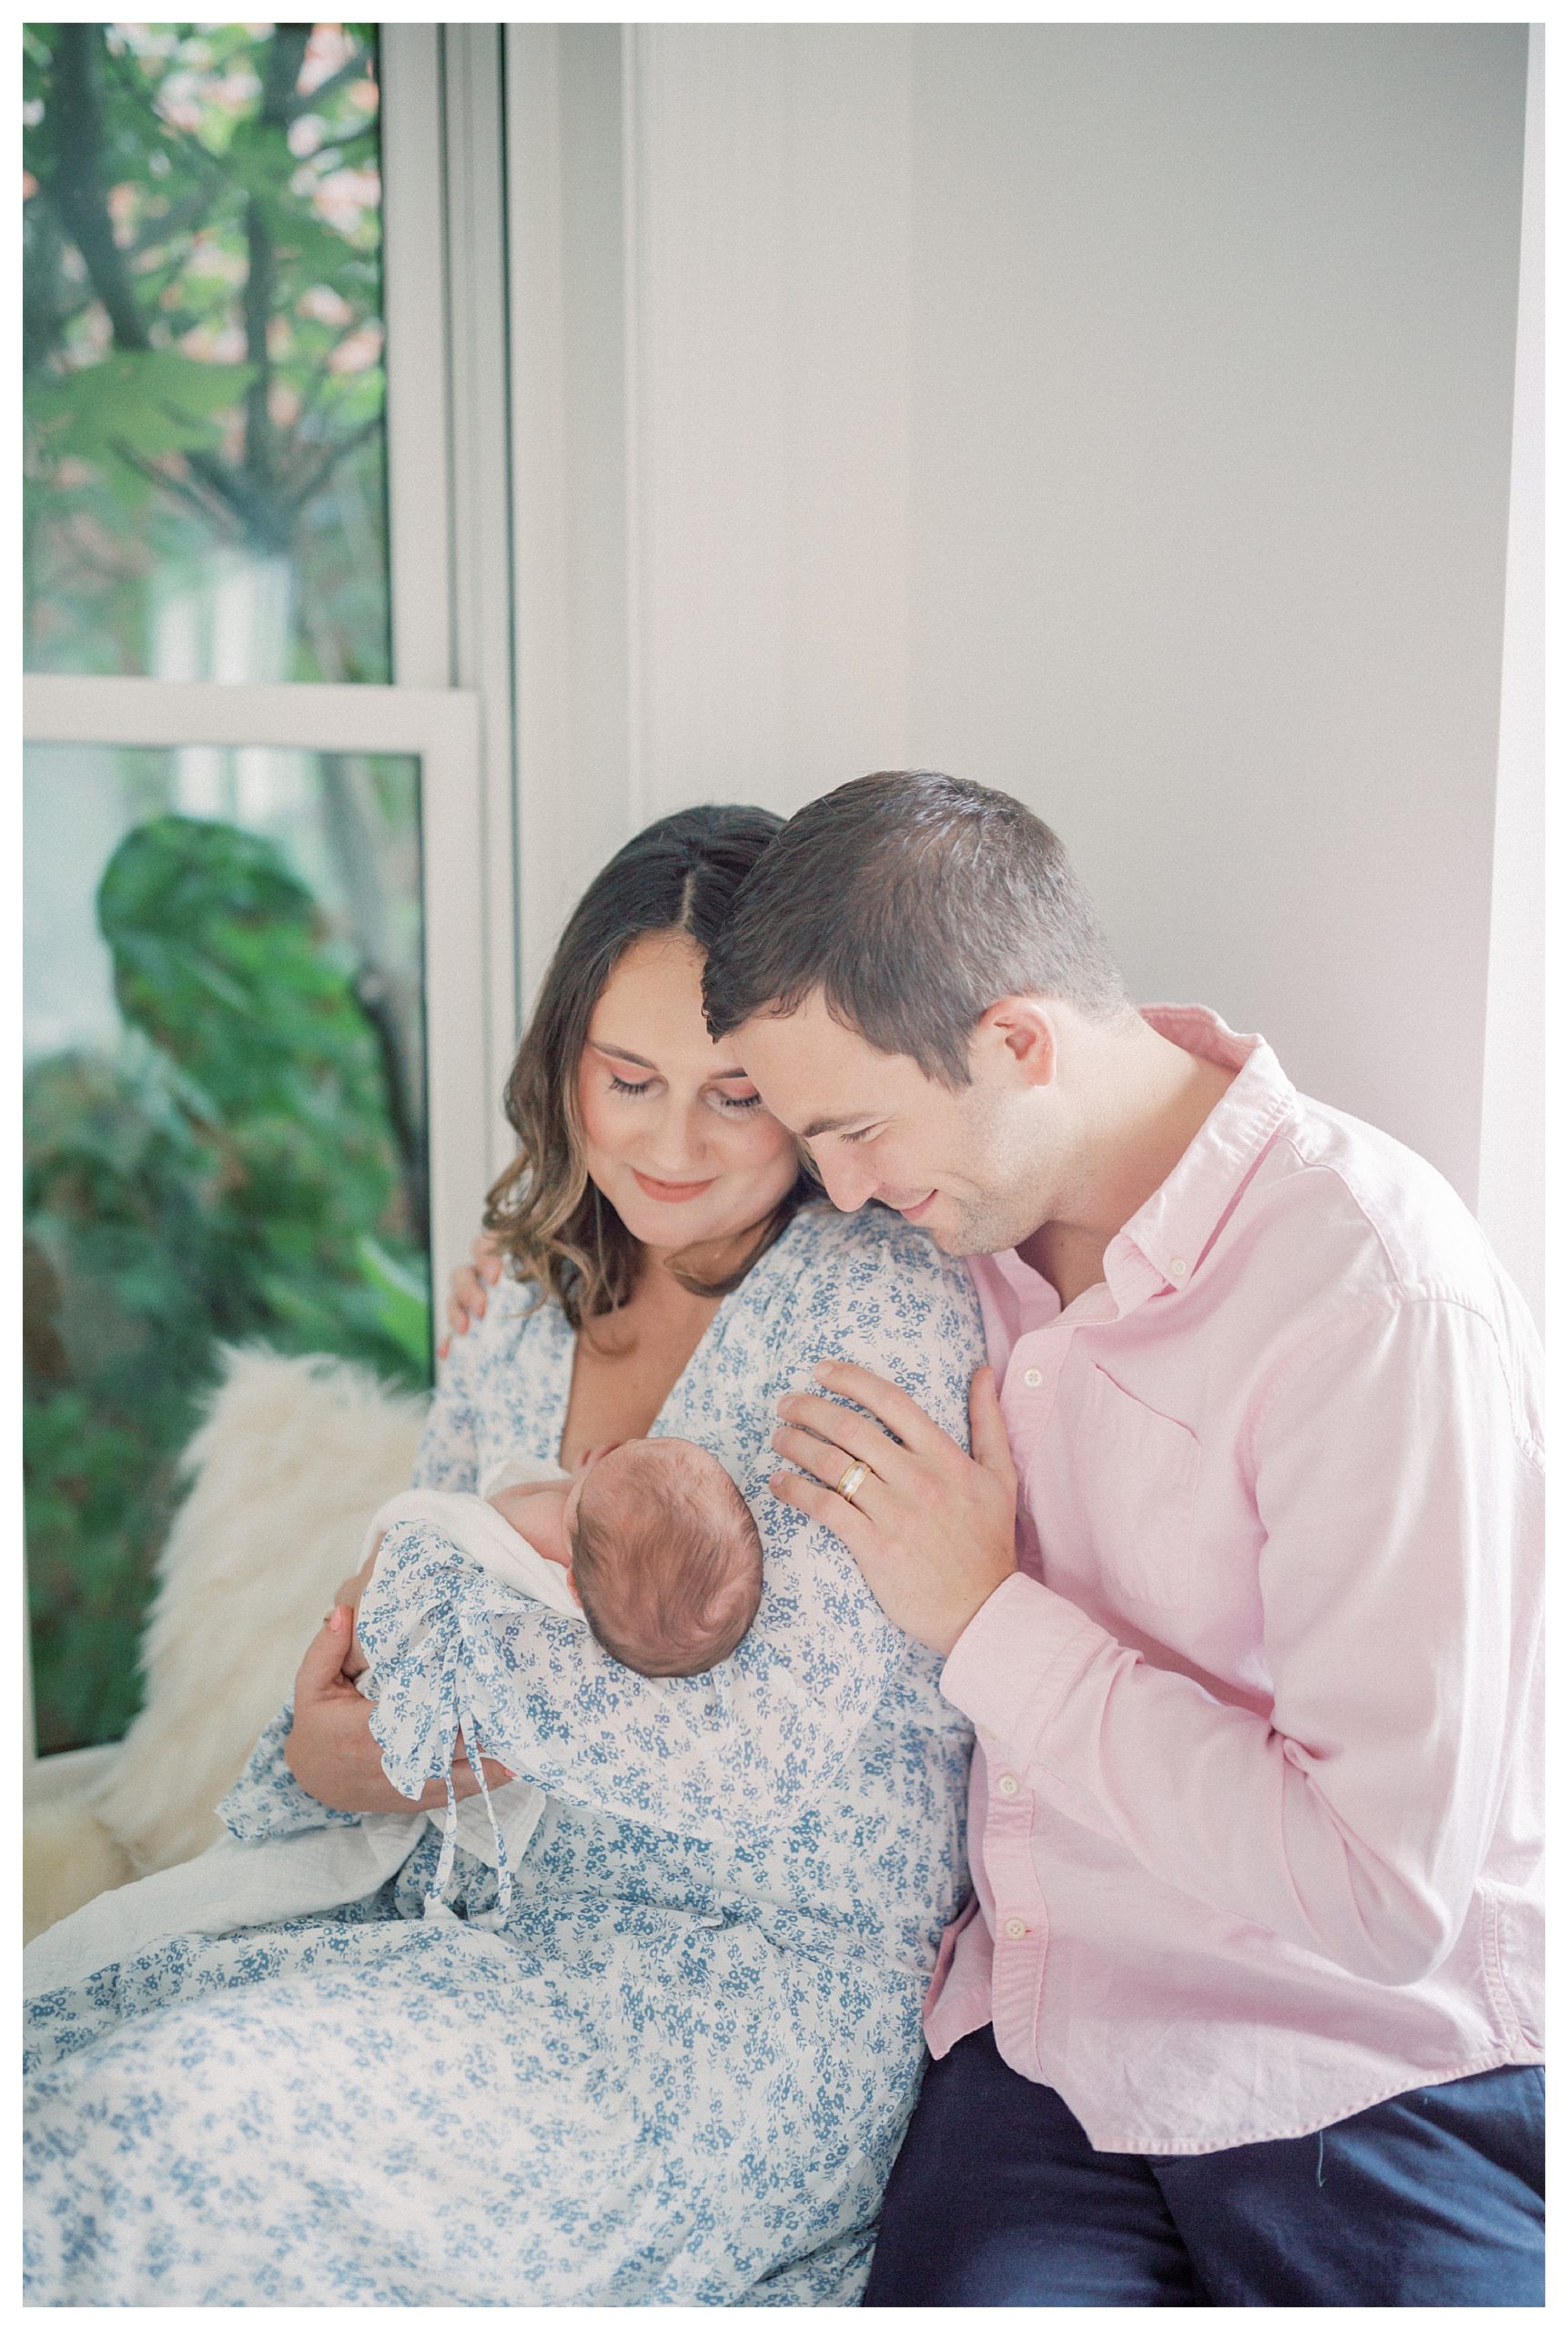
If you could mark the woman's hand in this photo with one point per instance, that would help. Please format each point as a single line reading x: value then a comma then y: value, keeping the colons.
x: 331, y: 1751
x: 931, y: 1526
x: 348, y: 1597
x: 351, y: 1593
x: 465, y: 1302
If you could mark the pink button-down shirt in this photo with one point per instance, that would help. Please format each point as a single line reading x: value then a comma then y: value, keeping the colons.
x: 1255, y: 1812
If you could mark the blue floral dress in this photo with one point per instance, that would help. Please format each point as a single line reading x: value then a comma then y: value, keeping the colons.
x: 666, y: 2057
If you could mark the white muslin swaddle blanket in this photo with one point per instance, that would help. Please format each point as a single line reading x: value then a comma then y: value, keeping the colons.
x: 478, y: 1530
x: 267, y: 1880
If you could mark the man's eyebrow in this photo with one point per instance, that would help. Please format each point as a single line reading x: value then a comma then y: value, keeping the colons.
x: 635, y: 1060
x: 832, y: 1124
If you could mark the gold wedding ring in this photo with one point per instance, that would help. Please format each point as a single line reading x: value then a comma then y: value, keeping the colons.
x: 853, y: 1477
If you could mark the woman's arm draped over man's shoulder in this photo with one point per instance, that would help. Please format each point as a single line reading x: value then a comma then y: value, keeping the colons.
x: 754, y: 1744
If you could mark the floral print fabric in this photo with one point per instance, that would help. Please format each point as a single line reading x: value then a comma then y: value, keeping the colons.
x: 665, y: 2057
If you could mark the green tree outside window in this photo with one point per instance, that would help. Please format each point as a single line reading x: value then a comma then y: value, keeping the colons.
x: 202, y: 350
x: 230, y: 1170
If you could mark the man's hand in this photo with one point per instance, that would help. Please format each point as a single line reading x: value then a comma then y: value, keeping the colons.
x: 931, y: 1527
x: 331, y: 1751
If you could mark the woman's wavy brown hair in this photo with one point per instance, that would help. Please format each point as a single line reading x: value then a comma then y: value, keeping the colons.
x: 560, y: 1233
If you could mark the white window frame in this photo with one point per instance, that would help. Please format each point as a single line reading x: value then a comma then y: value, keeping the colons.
x: 451, y: 701
x: 449, y: 454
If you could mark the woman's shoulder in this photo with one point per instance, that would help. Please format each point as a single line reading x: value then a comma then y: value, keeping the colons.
x: 864, y: 1286
x: 825, y: 1255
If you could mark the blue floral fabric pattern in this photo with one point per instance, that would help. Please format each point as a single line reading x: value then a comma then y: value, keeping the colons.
x: 666, y: 2058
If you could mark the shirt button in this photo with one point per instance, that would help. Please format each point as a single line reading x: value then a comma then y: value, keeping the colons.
x: 1007, y: 1785
x: 1177, y: 1266
x: 1015, y: 1928
x: 1033, y: 1378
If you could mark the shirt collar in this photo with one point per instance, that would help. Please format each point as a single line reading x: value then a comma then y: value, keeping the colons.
x: 1026, y: 1299
x: 1171, y: 1233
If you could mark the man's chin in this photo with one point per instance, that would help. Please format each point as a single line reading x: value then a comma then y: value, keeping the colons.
x: 964, y: 1237
x: 959, y: 1236
x: 961, y: 1244
x: 949, y: 1237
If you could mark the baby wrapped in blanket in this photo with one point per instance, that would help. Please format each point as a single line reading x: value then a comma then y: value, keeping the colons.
x: 649, y: 1543
x: 650, y: 1540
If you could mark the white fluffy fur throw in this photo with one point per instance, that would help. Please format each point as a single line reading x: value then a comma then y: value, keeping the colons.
x: 294, y: 1457
x: 67, y: 1857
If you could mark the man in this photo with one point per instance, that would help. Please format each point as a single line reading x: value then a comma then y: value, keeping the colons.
x: 1246, y: 2008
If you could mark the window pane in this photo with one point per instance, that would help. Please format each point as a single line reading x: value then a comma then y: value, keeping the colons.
x: 205, y: 451
x: 223, y: 1125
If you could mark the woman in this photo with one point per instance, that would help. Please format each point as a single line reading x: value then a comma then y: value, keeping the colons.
x: 672, y: 2063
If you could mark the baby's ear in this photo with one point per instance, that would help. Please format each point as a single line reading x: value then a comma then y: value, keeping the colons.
x: 572, y: 1581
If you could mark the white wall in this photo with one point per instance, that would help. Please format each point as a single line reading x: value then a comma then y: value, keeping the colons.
x: 1119, y: 415
x: 1512, y: 1200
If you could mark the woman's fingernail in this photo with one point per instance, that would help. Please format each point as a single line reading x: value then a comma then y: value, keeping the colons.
x: 443, y: 1347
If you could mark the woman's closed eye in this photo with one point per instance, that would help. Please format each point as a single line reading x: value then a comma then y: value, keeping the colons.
x: 734, y: 1103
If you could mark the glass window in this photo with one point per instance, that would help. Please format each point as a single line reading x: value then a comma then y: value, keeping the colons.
x: 206, y: 452
x: 225, y: 1133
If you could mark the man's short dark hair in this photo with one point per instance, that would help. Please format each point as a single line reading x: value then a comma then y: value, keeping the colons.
x: 913, y: 901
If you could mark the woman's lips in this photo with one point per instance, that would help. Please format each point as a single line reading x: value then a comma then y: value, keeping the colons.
x: 671, y: 1192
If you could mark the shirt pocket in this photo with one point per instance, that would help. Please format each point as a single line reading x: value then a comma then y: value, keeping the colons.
x: 1140, y: 1481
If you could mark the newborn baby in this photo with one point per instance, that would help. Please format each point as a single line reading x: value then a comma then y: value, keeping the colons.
x: 658, y: 1546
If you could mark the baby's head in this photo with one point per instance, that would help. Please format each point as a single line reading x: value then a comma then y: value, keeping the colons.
x: 665, y: 1556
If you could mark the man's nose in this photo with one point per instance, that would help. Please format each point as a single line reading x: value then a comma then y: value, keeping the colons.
x: 846, y: 1184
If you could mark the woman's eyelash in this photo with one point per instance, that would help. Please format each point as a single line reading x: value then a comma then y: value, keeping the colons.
x: 849, y: 1138
x: 735, y: 1101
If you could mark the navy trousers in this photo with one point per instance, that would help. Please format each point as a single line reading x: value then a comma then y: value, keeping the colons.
x: 997, y: 2198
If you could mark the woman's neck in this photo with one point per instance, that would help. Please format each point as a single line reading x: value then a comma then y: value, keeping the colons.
x: 628, y: 1360
x: 658, y: 1295
x: 663, y: 1268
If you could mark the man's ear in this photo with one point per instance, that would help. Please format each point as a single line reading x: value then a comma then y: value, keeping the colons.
x: 572, y: 1581
x: 1020, y: 1027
